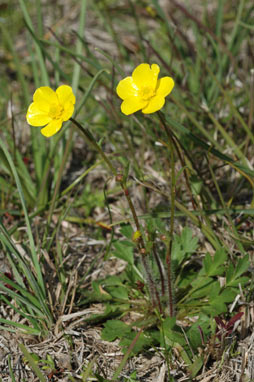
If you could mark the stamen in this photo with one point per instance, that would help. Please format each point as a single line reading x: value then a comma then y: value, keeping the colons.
x: 147, y: 92
x: 56, y: 111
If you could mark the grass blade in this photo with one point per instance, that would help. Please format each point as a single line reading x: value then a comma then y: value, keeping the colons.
x: 32, y: 363
x: 29, y: 230
x: 76, y: 69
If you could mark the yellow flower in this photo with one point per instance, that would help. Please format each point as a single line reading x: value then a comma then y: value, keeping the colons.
x: 51, y: 108
x: 143, y: 90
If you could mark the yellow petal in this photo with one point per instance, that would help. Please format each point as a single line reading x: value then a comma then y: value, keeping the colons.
x: 126, y: 88
x: 165, y: 86
x: 132, y: 104
x: 143, y: 75
x: 155, y: 104
x: 52, y: 128
x: 36, y: 117
x: 44, y: 97
x: 68, y: 111
x: 65, y: 94
x: 155, y: 69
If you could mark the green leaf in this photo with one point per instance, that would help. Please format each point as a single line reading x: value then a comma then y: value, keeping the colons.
x: 98, y: 292
x: 240, y: 280
x: 144, y: 341
x: 169, y: 322
x: 32, y: 363
x: 194, y: 335
x: 196, y: 184
x: 175, y: 337
x: 202, y: 286
x: 24, y: 328
x: 196, y: 366
x: 213, y: 264
x: 114, y: 329
x: 215, y: 290
x: 189, y: 243
x: 215, y: 308
x: 183, y: 246
x: 187, y: 277
x: 113, y: 280
x: 118, y: 292
x: 126, y: 230
x: 124, y: 251
x: 232, y: 274
x: 228, y: 295
x: 35, y: 258
x: 172, y: 332
x: 242, y: 266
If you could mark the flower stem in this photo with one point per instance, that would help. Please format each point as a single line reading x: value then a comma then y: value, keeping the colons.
x: 92, y: 141
x: 172, y: 215
x: 119, y: 178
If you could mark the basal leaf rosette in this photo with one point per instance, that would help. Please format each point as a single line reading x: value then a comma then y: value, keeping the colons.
x: 51, y: 108
x: 143, y: 90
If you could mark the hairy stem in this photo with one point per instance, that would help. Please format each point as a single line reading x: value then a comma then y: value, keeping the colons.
x: 172, y: 215
x: 119, y: 178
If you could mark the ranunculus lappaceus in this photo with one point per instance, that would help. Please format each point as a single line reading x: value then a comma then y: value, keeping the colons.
x: 51, y: 108
x: 143, y: 90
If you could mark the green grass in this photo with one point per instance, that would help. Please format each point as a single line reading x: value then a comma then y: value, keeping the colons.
x: 173, y: 190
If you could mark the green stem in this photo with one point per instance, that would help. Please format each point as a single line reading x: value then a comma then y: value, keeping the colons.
x: 141, y: 245
x: 58, y: 183
x: 92, y: 141
x: 119, y: 178
x: 172, y: 215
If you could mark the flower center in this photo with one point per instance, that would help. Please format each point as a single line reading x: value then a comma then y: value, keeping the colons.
x: 56, y: 111
x: 147, y: 92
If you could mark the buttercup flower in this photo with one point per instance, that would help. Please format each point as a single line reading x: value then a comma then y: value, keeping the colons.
x: 51, y: 108
x: 143, y: 90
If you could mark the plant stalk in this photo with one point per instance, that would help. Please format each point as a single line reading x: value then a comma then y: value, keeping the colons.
x: 119, y: 178
x: 172, y: 215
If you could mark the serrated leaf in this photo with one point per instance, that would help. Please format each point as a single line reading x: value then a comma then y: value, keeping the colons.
x: 228, y: 295
x: 187, y: 278
x: 202, y: 287
x: 216, y: 308
x: 233, y: 274
x: 114, y: 329
x: 183, y: 246
x: 189, y: 242
x: 213, y: 264
x: 241, y: 280
x: 242, y: 266
x: 214, y: 290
